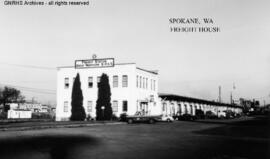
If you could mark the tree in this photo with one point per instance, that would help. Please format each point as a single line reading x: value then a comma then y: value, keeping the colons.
x: 104, y: 99
x: 10, y: 95
x: 77, y: 109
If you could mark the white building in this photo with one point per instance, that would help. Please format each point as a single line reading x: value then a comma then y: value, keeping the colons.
x: 34, y: 107
x: 175, y: 104
x: 19, y: 114
x: 132, y: 88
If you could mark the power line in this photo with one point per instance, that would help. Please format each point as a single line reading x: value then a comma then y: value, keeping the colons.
x: 30, y: 66
x: 29, y: 89
x: 39, y: 92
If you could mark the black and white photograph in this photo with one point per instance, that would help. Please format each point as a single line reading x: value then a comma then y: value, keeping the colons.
x: 134, y: 79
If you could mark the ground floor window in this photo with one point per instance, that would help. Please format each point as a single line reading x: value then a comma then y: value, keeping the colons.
x: 179, y: 109
x: 89, y: 106
x: 164, y: 107
x: 115, y: 106
x: 186, y: 111
x: 125, y: 106
x: 66, y: 106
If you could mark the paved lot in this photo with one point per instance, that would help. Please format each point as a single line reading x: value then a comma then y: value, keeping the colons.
x: 203, y: 139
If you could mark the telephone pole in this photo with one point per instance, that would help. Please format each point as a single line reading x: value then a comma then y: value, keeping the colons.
x: 231, y: 99
x: 219, y: 94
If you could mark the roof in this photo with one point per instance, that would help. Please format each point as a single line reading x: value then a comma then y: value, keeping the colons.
x: 174, y: 97
x: 149, y: 71
x: 97, y: 67
x: 139, y: 68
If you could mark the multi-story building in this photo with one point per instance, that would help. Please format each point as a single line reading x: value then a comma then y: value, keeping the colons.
x: 132, y: 88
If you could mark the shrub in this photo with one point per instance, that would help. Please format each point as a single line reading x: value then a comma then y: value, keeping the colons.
x: 114, y: 117
x: 77, y: 109
x: 42, y: 116
x: 89, y: 117
x: 199, y: 114
x: 104, y: 99
x: 3, y: 115
x: 210, y: 115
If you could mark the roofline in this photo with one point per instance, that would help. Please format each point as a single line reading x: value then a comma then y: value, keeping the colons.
x: 153, y: 72
x: 97, y: 67
x: 149, y: 71
x: 195, y: 100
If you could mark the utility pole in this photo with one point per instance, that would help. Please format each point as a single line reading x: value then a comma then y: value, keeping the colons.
x: 219, y: 94
x: 231, y: 99
x: 232, y: 102
x: 33, y: 100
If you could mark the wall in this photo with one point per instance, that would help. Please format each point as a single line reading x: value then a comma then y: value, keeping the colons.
x: 132, y: 94
x: 19, y: 114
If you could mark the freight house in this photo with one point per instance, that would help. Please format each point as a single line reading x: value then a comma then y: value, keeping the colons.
x: 132, y: 88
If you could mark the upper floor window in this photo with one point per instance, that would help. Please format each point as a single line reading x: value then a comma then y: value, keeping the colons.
x: 115, y: 81
x: 151, y: 84
x: 90, y: 82
x: 115, y: 106
x: 66, y: 82
x: 137, y: 81
x: 143, y: 82
x: 146, y: 83
x: 124, y: 81
x: 89, y: 106
x: 66, y: 106
x: 140, y: 81
x: 154, y: 85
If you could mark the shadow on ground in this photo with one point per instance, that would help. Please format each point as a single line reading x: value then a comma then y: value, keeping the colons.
x: 243, y: 139
x: 53, y: 147
x: 257, y: 127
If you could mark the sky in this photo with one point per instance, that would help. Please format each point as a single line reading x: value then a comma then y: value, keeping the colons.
x: 34, y: 40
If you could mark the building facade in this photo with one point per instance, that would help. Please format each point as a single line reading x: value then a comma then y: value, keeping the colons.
x: 175, y: 104
x: 132, y: 88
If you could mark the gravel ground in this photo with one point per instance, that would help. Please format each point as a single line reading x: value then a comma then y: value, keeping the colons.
x: 237, y: 139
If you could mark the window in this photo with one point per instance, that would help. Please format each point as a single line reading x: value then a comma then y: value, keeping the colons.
x: 186, y: 111
x: 179, y: 109
x: 137, y: 82
x: 154, y: 85
x: 140, y: 81
x: 89, y: 106
x: 98, y: 80
x: 143, y: 82
x: 115, y: 106
x: 66, y: 106
x: 115, y: 81
x: 90, y: 82
x: 164, y: 107
x: 151, y: 84
x: 125, y: 106
x: 146, y: 83
x: 124, y: 81
x: 191, y: 109
x: 66, y: 82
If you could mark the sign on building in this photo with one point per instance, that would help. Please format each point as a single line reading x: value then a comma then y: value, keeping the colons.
x: 94, y: 63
